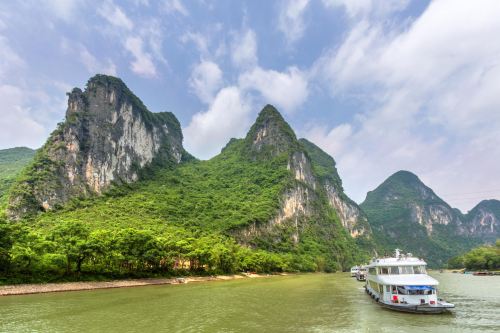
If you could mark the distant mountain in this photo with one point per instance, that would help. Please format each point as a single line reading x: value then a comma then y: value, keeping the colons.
x: 483, y: 221
x: 12, y: 161
x: 108, y: 137
x: 405, y: 213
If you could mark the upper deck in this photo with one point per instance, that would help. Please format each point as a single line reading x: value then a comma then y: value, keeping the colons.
x: 401, y: 261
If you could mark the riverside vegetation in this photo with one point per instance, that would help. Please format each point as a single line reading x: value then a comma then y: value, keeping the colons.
x: 479, y: 258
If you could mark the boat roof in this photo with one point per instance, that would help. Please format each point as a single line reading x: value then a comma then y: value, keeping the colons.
x: 401, y: 261
x: 408, y: 280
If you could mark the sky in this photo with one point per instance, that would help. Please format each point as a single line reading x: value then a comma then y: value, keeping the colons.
x: 381, y: 85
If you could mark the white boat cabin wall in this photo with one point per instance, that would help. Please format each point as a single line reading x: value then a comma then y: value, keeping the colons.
x: 394, y: 285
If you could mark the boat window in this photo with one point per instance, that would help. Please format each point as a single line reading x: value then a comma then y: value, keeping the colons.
x: 372, y: 271
x: 405, y: 269
x: 394, y: 270
x: 419, y: 270
x: 394, y: 290
x: 384, y: 270
x: 402, y: 290
x: 388, y: 289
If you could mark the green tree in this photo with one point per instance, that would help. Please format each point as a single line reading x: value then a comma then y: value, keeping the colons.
x: 72, y: 241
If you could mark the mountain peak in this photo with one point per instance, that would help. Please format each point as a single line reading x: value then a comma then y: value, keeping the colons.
x: 108, y: 137
x: 404, y: 175
x: 403, y: 184
x: 271, y: 133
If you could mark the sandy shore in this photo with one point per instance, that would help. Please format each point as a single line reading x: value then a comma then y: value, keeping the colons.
x: 24, y: 289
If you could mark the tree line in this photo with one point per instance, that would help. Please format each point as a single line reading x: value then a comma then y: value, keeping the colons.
x: 71, y: 250
x: 480, y: 258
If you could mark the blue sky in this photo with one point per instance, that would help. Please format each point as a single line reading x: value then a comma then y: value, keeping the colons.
x: 380, y: 85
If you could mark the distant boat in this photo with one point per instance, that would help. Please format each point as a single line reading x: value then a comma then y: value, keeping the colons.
x: 361, y: 273
x: 483, y: 273
x: 401, y: 283
x: 354, y: 270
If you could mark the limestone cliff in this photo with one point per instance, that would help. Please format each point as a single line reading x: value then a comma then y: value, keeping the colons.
x: 108, y: 136
x: 483, y: 221
x: 314, y: 189
x: 353, y: 219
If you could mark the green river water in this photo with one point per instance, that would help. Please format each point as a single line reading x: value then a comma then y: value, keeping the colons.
x: 297, y: 303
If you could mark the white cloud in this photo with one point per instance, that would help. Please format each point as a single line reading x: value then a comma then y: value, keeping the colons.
x: 10, y: 61
x: 244, y: 49
x: 334, y: 141
x: 142, y: 64
x: 115, y: 15
x: 199, y: 40
x: 152, y: 32
x: 175, y: 6
x: 94, y: 66
x: 357, y: 8
x: 205, y: 80
x: 227, y: 117
x: 88, y: 60
x: 291, y: 20
x: 17, y: 126
x: 432, y: 90
x: 287, y: 90
x: 63, y: 9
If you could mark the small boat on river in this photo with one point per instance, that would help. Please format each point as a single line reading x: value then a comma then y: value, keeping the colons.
x: 361, y: 274
x: 401, y: 283
x: 354, y: 270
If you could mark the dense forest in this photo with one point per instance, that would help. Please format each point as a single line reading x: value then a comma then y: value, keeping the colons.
x: 72, y: 251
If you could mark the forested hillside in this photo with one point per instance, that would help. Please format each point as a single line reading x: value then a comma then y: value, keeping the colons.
x: 267, y: 202
x: 12, y: 161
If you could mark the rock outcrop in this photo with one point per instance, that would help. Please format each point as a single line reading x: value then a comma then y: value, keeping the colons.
x: 483, y: 221
x: 108, y: 136
x: 353, y: 219
x: 314, y: 188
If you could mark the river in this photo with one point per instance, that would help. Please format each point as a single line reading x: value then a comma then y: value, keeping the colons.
x: 296, y: 303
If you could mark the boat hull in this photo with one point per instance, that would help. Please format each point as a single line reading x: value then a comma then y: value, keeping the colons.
x: 424, y: 308
x: 412, y: 308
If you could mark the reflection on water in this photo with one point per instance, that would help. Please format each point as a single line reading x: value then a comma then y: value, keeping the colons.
x: 302, y: 303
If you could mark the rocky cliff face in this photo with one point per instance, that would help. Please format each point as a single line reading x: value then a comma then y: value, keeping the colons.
x: 353, y: 219
x: 483, y: 221
x: 314, y: 187
x: 108, y: 136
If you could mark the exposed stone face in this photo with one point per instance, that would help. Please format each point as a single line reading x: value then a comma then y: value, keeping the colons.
x: 351, y: 216
x: 108, y: 136
x: 295, y: 207
x: 430, y: 215
x: 301, y: 168
x: 484, y: 220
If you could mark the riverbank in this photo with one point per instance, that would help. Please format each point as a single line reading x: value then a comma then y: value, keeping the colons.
x: 25, y: 289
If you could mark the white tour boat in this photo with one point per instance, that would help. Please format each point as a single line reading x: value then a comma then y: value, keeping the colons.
x: 354, y: 270
x: 401, y: 283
